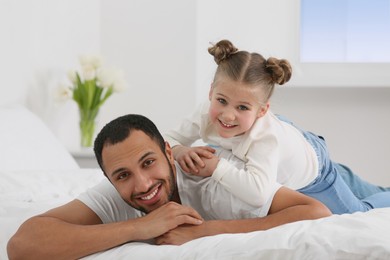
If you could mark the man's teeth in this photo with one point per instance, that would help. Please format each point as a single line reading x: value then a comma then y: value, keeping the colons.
x: 151, y: 195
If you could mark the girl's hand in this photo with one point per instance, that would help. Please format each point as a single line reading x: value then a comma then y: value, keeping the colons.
x: 210, y: 166
x: 191, y: 158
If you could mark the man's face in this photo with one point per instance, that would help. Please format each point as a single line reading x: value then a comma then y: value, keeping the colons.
x: 140, y: 171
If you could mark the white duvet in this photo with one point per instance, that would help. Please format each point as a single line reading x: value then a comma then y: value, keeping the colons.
x: 350, y: 236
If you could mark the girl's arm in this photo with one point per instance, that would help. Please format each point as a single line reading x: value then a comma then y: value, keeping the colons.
x: 251, y: 181
x: 184, y: 135
x: 187, y: 131
x: 191, y: 159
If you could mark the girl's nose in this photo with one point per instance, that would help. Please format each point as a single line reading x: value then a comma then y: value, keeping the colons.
x: 228, y: 115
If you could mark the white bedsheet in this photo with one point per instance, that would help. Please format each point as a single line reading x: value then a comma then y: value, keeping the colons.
x: 355, y: 236
x: 350, y: 236
x: 27, y: 193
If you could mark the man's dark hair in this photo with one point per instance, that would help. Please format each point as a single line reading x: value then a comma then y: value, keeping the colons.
x: 120, y: 128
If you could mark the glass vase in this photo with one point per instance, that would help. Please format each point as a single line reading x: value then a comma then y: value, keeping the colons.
x: 87, y: 127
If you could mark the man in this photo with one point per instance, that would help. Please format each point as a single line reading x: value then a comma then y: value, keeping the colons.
x: 146, y: 202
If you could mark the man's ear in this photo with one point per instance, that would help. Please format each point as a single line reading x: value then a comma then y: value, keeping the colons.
x: 263, y: 110
x: 169, y: 153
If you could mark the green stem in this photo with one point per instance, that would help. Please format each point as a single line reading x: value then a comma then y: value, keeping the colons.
x: 87, y: 126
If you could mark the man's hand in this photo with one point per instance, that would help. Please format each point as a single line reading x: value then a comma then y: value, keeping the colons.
x: 181, y: 235
x: 191, y: 159
x: 288, y: 206
x: 166, y: 218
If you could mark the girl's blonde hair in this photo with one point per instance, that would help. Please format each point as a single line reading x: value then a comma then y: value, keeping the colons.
x: 249, y: 68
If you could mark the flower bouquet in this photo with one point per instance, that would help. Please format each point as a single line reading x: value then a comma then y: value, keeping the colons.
x: 90, y: 89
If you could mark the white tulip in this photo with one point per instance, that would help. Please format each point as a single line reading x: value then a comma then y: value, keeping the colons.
x: 111, y: 78
x: 94, y: 61
x: 91, y: 76
x: 120, y: 84
x: 105, y: 77
x: 72, y: 76
x: 88, y: 72
x: 63, y: 93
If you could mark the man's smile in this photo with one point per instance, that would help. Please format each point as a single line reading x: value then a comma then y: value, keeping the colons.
x: 152, y: 196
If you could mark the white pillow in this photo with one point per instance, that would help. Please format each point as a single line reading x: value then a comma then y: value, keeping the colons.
x: 26, y: 143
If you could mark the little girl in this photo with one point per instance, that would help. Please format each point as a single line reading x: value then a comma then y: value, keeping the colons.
x: 237, y: 117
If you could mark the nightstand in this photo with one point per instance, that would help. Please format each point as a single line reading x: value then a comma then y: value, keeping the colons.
x: 85, y: 158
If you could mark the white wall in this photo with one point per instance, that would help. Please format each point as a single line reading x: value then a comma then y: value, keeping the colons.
x: 40, y: 41
x: 162, y: 46
x: 354, y: 121
x: 154, y: 42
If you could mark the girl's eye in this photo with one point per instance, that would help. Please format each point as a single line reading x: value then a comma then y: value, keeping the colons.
x: 222, y: 101
x: 243, y: 108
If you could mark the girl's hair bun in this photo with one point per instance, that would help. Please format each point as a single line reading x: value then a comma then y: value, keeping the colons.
x: 222, y: 50
x: 280, y: 70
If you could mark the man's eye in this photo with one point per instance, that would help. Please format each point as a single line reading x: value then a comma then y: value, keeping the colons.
x: 148, y: 162
x: 243, y: 108
x: 222, y: 101
x: 123, y: 175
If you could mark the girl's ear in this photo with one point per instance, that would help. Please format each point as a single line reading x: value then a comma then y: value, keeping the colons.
x: 211, y: 91
x: 263, y: 110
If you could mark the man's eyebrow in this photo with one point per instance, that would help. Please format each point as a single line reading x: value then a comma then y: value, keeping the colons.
x: 117, y: 171
x: 144, y: 156
x: 139, y: 161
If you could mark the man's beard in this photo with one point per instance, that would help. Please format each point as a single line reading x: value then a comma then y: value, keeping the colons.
x: 171, y: 192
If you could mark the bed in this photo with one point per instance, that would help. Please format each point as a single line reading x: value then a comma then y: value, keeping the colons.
x: 37, y: 173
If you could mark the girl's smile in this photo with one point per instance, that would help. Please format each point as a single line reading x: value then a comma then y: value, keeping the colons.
x: 226, y: 125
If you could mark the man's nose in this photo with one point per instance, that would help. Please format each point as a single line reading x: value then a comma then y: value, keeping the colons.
x: 142, y: 182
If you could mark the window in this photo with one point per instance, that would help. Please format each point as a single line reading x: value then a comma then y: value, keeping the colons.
x: 345, y: 31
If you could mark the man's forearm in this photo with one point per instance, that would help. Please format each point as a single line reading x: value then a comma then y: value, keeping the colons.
x: 187, y: 233
x: 48, y: 237
x: 288, y: 206
x: 51, y: 238
x: 293, y: 214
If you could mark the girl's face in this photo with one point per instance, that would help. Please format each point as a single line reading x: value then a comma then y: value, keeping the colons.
x: 234, y: 107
